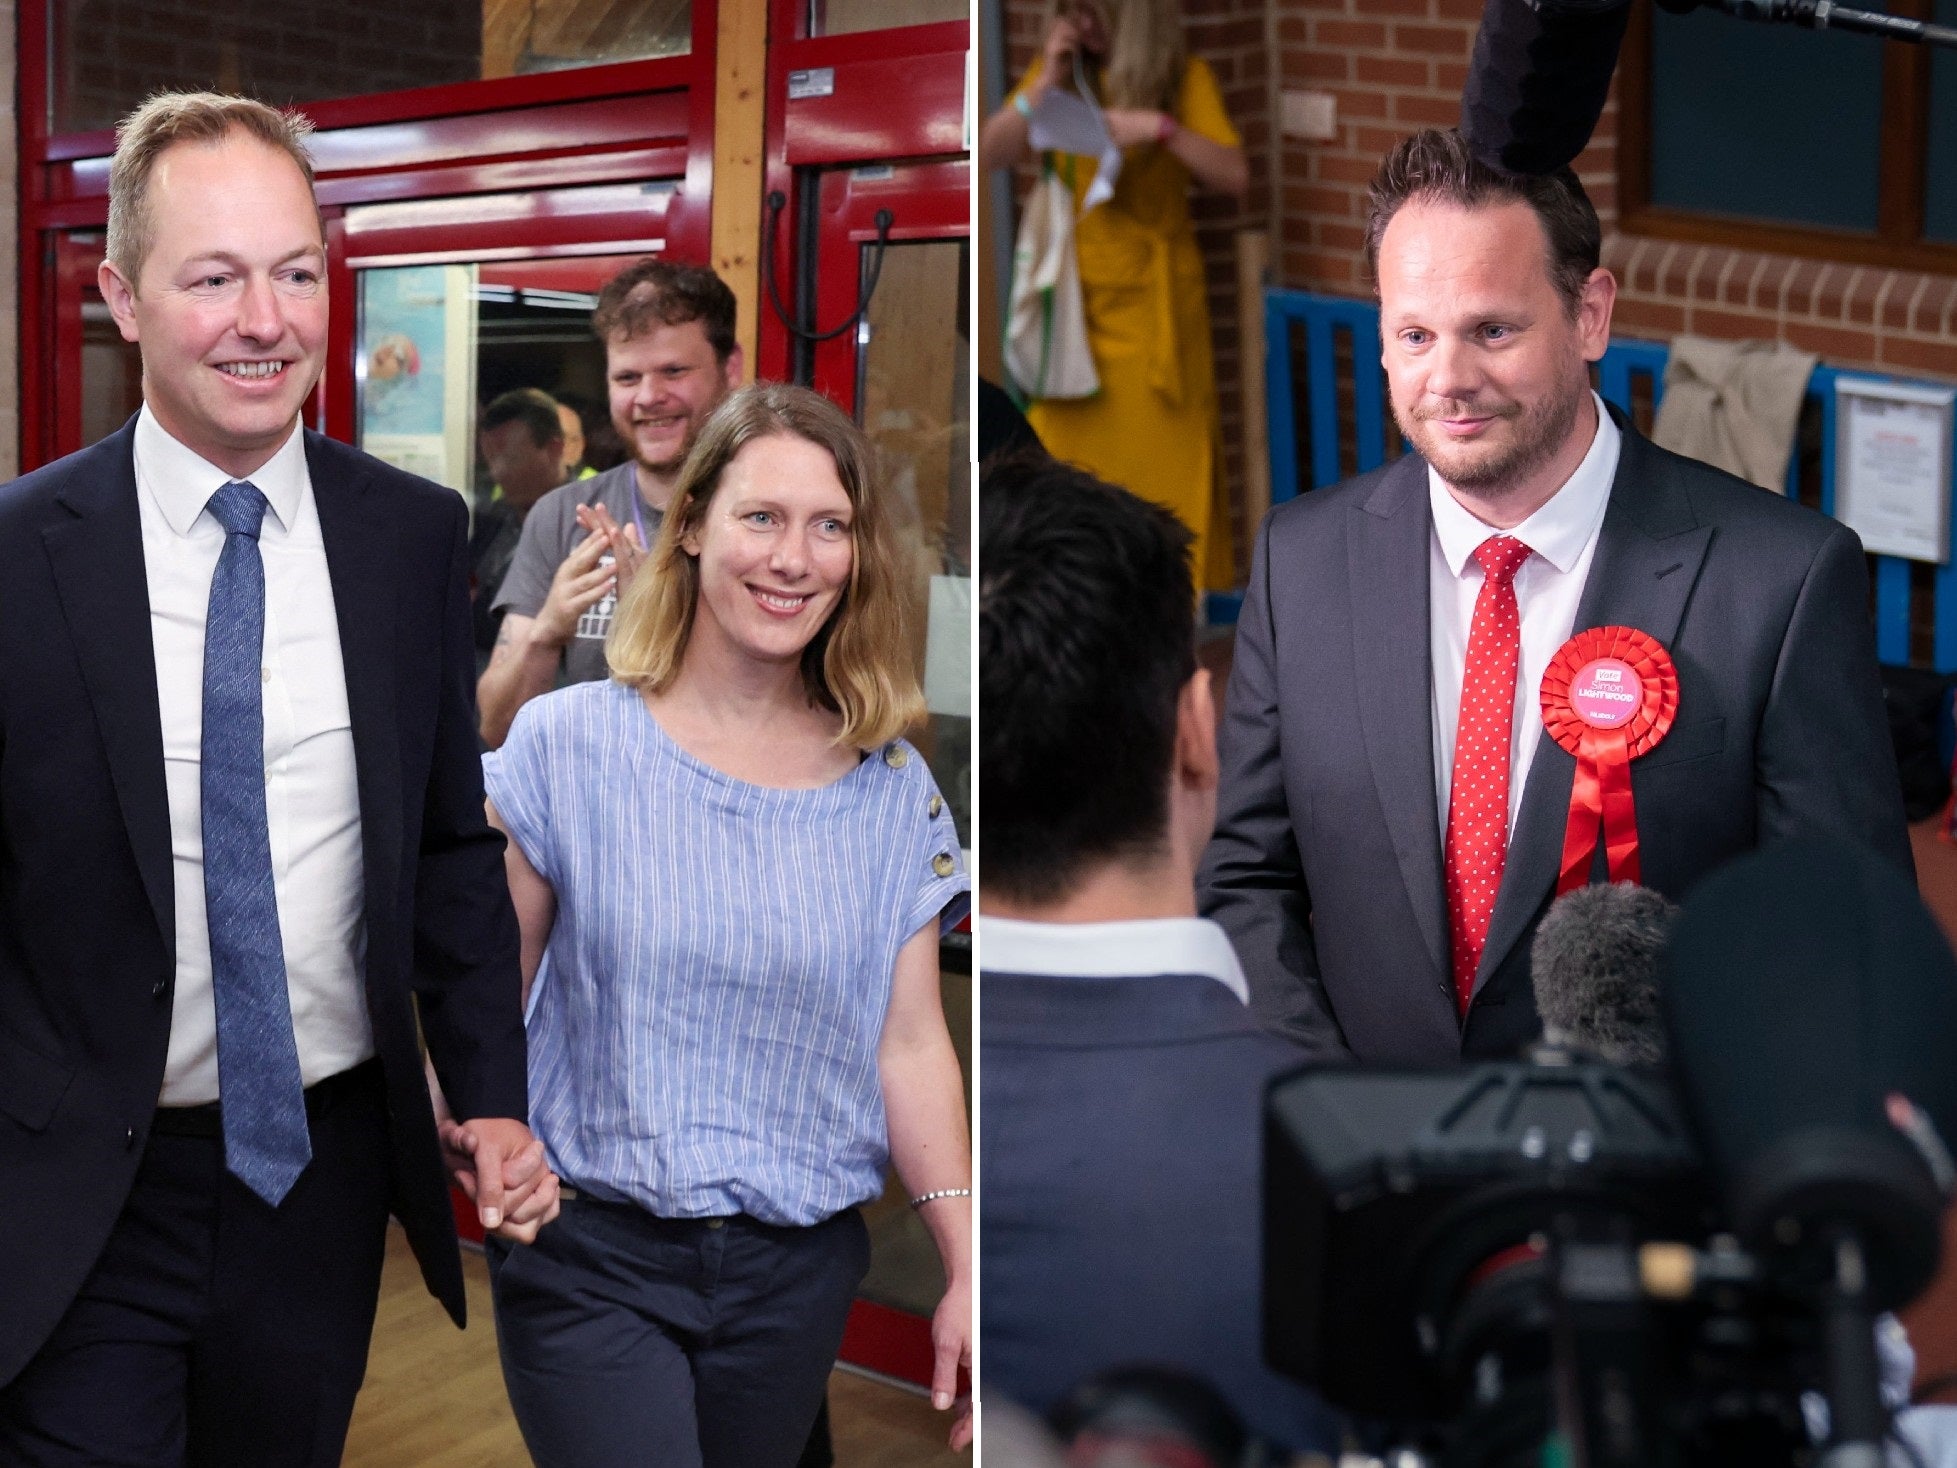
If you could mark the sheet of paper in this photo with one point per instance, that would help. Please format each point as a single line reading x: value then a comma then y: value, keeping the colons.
x: 1892, y: 477
x: 1065, y: 123
x: 948, y: 647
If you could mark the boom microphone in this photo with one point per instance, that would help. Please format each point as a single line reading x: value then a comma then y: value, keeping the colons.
x: 1594, y: 965
x: 1811, y: 1004
x: 1541, y: 69
x: 1538, y: 80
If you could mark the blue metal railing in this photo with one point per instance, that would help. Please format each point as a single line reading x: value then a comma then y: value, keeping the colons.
x: 1286, y: 311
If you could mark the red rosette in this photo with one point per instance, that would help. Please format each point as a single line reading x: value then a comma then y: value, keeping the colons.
x: 1609, y: 695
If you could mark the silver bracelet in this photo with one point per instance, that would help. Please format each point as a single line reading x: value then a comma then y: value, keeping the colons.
x: 922, y: 1198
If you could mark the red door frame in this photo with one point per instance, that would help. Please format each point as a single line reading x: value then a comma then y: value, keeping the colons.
x: 646, y: 121
x: 897, y: 94
x: 898, y: 98
x: 929, y: 201
x: 637, y: 217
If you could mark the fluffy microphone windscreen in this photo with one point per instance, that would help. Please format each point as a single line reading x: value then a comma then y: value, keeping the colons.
x: 1537, y: 82
x: 1811, y: 1003
x: 1594, y: 965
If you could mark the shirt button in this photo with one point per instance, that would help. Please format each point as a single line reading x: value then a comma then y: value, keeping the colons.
x: 264, y: 675
x: 937, y: 804
x: 716, y: 1223
x: 896, y: 756
x: 942, y: 864
x: 159, y: 988
x: 129, y: 1140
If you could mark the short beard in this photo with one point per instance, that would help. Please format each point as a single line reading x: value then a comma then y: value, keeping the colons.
x: 1540, y: 431
x: 668, y: 468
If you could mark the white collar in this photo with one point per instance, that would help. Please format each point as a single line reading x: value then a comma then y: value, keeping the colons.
x: 182, y: 481
x: 1134, y: 949
x: 1560, y: 529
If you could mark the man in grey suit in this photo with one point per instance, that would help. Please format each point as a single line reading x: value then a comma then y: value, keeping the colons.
x: 1391, y: 816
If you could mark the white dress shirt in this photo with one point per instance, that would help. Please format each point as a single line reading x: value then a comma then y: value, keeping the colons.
x: 312, y: 803
x: 1133, y: 949
x: 1563, y: 535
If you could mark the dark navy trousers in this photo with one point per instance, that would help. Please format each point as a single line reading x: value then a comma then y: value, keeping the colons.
x: 630, y: 1341
x: 216, y: 1331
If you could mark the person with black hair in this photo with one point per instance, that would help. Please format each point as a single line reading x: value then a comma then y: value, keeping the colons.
x: 522, y: 439
x: 1123, y: 1069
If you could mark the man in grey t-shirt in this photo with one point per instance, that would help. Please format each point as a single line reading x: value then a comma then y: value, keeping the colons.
x: 551, y: 538
x: 670, y: 358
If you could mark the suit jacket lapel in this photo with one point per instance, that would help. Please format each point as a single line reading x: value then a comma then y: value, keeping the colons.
x: 97, y: 561
x: 1387, y: 567
x: 1648, y: 556
x: 361, y: 545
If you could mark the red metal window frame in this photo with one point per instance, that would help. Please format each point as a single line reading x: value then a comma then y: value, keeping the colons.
x: 899, y: 94
x: 616, y: 219
x: 898, y: 99
x: 930, y: 201
x: 630, y: 121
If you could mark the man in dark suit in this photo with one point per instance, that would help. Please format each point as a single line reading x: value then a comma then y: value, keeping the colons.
x: 242, y: 860
x: 1392, y: 812
x: 1123, y: 1071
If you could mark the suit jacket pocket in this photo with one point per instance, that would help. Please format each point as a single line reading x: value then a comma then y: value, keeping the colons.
x: 1685, y: 742
x: 31, y: 1085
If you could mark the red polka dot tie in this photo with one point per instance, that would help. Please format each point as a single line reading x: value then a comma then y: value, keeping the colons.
x: 1478, y: 805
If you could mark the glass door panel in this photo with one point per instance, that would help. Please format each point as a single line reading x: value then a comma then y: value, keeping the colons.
x: 103, y: 381
x: 108, y: 55
x: 112, y: 373
x: 868, y: 180
x: 847, y: 17
x: 438, y: 341
x: 912, y: 397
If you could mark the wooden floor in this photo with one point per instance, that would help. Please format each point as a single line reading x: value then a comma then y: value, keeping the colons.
x: 434, y: 1396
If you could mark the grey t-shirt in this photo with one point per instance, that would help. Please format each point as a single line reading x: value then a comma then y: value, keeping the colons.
x: 550, y: 534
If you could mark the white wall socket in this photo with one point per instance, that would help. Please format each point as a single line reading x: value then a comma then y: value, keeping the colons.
x: 1310, y: 115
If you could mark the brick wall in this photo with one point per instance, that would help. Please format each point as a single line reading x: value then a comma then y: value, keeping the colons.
x: 121, y: 50
x: 1900, y: 321
x: 1397, y: 65
x: 1233, y: 37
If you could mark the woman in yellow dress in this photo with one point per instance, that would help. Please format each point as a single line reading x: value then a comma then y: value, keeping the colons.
x: 1153, y: 425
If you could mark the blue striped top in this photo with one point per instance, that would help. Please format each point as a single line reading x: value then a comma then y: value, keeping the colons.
x: 704, y: 1027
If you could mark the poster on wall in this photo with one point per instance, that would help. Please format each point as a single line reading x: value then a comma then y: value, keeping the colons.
x: 1892, y: 466
x: 417, y: 368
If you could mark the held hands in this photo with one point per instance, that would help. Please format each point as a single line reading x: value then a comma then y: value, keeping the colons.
x: 501, y: 1167
x: 951, y: 1345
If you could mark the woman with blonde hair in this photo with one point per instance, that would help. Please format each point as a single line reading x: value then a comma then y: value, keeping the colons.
x: 1153, y: 426
x: 731, y: 874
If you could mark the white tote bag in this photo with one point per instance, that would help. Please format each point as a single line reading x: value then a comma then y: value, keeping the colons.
x: 1047, y: 351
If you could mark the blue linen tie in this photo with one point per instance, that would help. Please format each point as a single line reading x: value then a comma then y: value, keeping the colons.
x: 266, y: 1145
